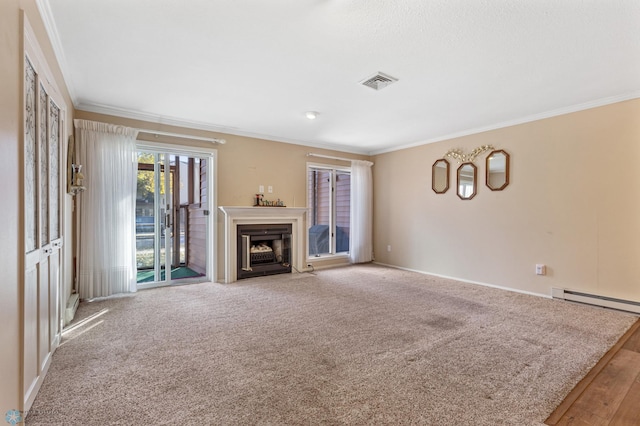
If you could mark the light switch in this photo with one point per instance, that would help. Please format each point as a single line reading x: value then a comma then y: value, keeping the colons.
x: 270, y: 189
x: 261, y: 189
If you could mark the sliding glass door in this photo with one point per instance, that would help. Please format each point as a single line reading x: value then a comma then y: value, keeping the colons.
x: 153, y: 217
x: 172, y: 220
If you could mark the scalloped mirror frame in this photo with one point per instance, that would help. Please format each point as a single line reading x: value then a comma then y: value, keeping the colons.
x: 497, y: 183
x: 474, y: 181
x: 437, y: 176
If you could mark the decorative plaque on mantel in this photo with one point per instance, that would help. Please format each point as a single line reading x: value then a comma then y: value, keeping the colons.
x: 261, y: 202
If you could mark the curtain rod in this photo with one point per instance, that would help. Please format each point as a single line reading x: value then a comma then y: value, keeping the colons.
x: 181, y: 135
x: 330, y: 157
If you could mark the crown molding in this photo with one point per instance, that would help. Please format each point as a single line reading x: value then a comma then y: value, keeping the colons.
x: 527, y: 119
x: 52, y: 31
x: 196, y: 125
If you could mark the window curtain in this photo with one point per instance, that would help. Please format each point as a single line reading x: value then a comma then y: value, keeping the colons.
x: 361, y: 232
x: 106, y: 209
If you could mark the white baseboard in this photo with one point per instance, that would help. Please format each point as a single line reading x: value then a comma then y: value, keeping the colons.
x: 515, y: 290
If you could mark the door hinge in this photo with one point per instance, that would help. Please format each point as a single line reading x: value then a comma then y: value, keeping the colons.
x: 206, y: 212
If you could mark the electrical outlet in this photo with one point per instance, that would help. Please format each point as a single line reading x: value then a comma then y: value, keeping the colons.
x: 389, y: 247
x: 261, y: 189
x: 270, y: 189
x: 541, y: 269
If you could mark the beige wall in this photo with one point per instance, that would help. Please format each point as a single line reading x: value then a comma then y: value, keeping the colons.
x: 243, y: 164
x: 11, y: 237
x: 560, y: 208
x: 10, y: 261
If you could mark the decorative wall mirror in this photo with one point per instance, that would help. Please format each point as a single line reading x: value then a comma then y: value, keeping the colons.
x: 440, y: 176
x: 497, y: 170
x: 467, y: 181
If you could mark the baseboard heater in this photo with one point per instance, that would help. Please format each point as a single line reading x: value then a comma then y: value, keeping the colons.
x: 592, y: 299
x: 72, y: 306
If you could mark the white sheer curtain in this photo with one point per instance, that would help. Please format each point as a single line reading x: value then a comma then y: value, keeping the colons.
x: 361, y: 233
x: 106, y: 209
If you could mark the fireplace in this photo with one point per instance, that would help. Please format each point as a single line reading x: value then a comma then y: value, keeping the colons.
x: 240, y: 216
x: 263, y: 249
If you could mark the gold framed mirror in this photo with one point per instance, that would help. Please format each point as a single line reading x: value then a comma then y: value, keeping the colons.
x: 467, y: 181
x: 440, y: 176
x: 497, y: 170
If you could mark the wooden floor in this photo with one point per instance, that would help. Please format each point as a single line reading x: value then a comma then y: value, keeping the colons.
x: 610, y: 393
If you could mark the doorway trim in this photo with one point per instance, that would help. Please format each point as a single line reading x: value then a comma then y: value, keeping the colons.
x: 211, y: 154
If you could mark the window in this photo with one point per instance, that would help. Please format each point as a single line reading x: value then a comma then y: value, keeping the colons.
x: 329, y: 201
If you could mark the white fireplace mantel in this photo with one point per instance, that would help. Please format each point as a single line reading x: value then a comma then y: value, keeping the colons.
x: 234, y: 216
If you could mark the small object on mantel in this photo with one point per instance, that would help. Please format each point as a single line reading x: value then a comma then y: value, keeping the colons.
x: 261, y: 202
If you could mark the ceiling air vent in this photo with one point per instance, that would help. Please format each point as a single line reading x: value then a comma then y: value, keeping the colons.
x: 379, y: 81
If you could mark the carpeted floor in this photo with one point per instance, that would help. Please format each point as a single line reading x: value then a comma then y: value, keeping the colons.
x: 355, y: 345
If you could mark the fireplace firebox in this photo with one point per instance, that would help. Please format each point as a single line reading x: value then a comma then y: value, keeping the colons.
x: 264, y: 249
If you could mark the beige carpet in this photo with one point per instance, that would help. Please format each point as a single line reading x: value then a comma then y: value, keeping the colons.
x: 356, y: 345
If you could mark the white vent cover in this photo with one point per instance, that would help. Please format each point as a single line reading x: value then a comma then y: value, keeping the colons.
x: 593, y: 299
x: 379, y: 81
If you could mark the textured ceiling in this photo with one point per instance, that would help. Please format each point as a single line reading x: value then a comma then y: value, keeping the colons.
x: 254, y: 67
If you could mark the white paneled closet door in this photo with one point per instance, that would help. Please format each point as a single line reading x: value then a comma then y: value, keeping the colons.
x: 44, y: 114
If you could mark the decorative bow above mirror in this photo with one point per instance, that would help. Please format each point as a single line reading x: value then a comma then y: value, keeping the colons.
x: 461, y: 157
